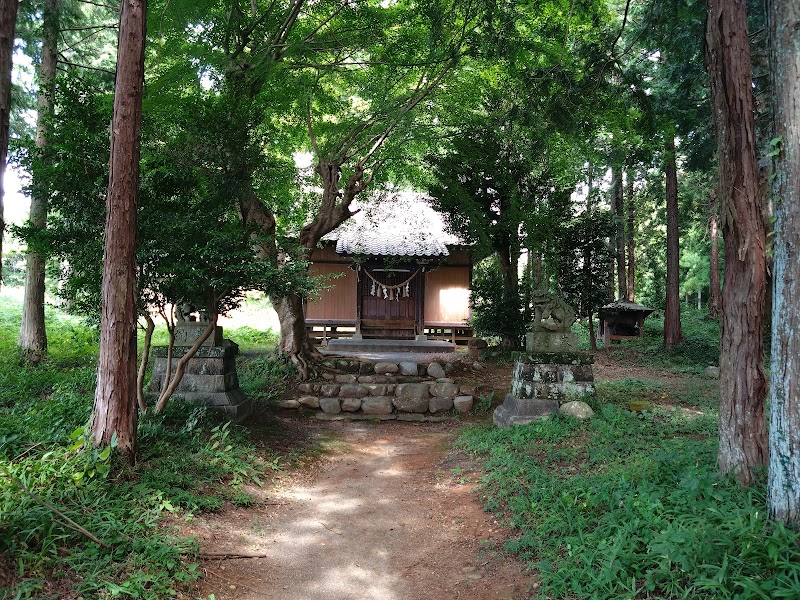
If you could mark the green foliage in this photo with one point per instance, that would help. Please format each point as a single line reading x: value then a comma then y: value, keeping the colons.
x: 582, y: 260
x: 188, y: 463
x: 631, y: 504
x: 494, y: 312
x: 699, y: 349
x: 265, y: 377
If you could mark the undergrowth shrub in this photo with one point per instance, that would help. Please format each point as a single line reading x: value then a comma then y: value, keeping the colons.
x: 189, y: 461
x: 631, y: 505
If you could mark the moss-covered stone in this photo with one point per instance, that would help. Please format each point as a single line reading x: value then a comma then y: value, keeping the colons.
x: 563, y: 358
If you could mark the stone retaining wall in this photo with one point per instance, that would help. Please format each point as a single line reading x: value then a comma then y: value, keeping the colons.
x: 380, y: 390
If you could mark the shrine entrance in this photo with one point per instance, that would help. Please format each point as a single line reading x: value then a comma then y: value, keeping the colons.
x: 390, y: 301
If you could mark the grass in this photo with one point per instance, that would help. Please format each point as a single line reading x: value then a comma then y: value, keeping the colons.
x: 630, y: 503
x: 190, y: 462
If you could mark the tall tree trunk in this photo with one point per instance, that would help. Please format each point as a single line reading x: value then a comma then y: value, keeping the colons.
x: 783, y: 494
x: 8, y: 26
x: 714, y: 292
x: 742, y: 384
x: 587, y: 269
x: 672, y: 314
x: 619, y: 229
x: 32, y: 332
x: 115, y: 399
x: 508, y: 259
x: 616, y: 276
x: 630, y: 294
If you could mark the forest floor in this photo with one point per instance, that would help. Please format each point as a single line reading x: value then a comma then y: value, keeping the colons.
x: 386, y: 510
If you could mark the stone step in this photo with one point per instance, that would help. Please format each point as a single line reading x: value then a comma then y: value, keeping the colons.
x: 350, y: 345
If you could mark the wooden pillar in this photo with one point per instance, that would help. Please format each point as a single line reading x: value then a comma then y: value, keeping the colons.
x: 357, y: 333
x: 419, y: 304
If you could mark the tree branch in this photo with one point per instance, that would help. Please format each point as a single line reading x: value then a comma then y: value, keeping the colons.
x: 76, y: 65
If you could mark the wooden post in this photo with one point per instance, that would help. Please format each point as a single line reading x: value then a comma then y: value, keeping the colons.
x: 419, y: 304
x: 359, y: 283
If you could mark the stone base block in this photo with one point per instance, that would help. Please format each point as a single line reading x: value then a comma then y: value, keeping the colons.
x: 518, y: 411
x: 233, y: 403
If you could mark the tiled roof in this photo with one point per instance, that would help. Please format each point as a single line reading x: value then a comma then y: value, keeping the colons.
x: 623, y: 305
x: 394, y: 223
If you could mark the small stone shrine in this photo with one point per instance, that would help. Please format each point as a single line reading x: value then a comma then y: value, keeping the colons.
x: 210, y: 376
x: 551, y: 371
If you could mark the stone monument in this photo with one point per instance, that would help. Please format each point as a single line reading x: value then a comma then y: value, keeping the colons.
x: 210, y: 376
x: 552, y: 370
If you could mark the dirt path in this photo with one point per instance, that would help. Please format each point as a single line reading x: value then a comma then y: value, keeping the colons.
x: 389, y: 516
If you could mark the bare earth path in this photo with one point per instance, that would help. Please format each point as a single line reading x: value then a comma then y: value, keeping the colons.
x: 388, y: 516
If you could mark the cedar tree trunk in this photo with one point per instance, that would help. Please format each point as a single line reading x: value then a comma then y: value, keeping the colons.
x: 618, y: 209
x: 672, y: 313
x: 115, y: 399
x: 783, y: 494
x: 630, y: 294
x: 8, y: 25
x: 742, y: 384
x: 508, y: 260
x: 714, y: 293
x: 32, y: 332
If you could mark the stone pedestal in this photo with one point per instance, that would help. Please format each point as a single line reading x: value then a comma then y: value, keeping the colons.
x: 210, y: 377
x: 551, y: 341
x: 542, y: 382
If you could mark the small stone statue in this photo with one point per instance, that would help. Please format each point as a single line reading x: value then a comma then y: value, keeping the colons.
x: 551, y: 313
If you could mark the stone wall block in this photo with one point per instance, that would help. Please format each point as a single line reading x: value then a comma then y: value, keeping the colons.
x: 436, y: 370
x: 348, y: 366
x: 366, y: 368
x: 379, y: 405
x: 351, y: 404
x: 445, y: 390
x: 309, y: 402
x: 463, y: 404
x: 378, y: 389
x: 366, y: 379
x: 308, y: 388
x: 329, y: 389
x: 330, y: 406
x: 386, y: 368
x: 412, y: 391
x: 353, y: 390
x: 467, y: 390
x: 439, y: 404
x: 409, y: 368
x: 346, y: 378
x: 414, y: 405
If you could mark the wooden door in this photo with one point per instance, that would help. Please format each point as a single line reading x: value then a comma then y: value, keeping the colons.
x: 389, y: 311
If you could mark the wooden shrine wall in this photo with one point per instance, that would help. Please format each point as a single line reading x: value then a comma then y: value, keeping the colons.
x: 447, y: 295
